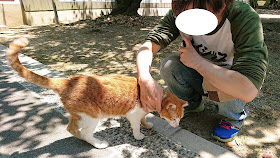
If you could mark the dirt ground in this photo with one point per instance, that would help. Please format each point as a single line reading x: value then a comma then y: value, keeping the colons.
x: 109, y: 45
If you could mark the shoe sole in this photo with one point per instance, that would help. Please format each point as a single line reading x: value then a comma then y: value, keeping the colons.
x: 199, y: 109
x: 223, y: 140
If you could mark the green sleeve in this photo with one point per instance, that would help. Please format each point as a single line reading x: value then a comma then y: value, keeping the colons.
x: 251, y: 57
x: 165, y: 32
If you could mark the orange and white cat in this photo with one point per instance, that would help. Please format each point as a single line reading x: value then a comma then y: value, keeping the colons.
x: 90, y: 98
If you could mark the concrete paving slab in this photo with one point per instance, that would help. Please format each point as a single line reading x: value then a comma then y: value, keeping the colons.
x: 161, y: 125
x: 201, y: 146
x: 189, y: 140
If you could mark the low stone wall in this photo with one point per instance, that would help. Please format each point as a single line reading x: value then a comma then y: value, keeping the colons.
x: 64, y: 16
x: 41, y: 12
x: 11, y: 13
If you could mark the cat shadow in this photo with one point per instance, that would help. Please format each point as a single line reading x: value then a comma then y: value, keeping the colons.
x: 118, y: 131
x: 67, y: 146
x: 121, y: 141
x: 153, y: 145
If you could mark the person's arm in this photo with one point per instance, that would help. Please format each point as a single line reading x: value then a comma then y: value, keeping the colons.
x: 150, y: 90
x: 228, y: 81
x: 251, y: 54
x: 164, y: 32
x: 158, y: 38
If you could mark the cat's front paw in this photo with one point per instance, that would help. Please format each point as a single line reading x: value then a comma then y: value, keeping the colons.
x: 101, y: 145
x: 140, y: 136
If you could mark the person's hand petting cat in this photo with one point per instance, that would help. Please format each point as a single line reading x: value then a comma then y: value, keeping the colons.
x: 150, y: 90
x: 150, y: 94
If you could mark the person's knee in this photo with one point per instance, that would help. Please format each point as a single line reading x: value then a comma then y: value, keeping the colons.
x: 168, y: 64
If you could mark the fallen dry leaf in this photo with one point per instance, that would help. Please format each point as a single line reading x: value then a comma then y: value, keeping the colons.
x: 230, y: 144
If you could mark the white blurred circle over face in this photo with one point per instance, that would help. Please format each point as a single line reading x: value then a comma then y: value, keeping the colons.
x: 196, y: 22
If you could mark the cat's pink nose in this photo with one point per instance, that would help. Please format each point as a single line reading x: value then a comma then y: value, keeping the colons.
x: 175, y: 125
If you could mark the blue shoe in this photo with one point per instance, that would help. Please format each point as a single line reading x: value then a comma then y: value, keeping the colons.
x: 225, y: 132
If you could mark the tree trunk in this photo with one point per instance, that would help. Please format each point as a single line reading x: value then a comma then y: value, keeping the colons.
x: 126, y: 7
x: 273, y: 2
x: 253, y: 3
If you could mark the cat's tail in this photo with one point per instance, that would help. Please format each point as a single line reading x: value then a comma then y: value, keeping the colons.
x: 12, y: 55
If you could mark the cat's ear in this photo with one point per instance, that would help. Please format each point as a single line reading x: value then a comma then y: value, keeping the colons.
x: 184, y: 103
x: 171, y: 106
